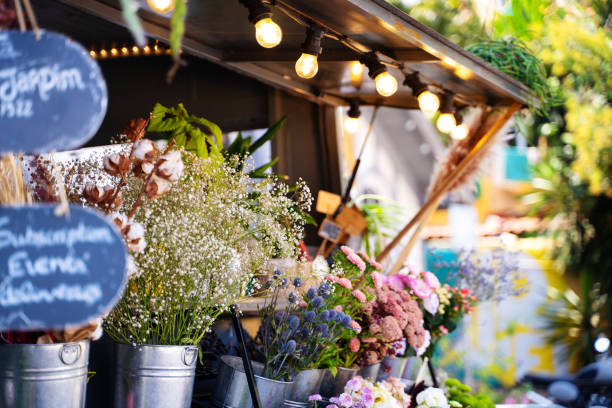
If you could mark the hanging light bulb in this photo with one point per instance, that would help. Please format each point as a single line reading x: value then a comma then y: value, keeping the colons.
x: 386, y: 84
x: 356, y: 73
x: 461, y: 130
x: 446, y: 121
x: 161, y: 6
x: 307, y: 65
x: 351, y: 122
x: 267, y: 33
x: 428, y: 101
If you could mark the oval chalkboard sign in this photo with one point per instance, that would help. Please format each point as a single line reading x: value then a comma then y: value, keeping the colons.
x: 55, y: 271
x: 52, y: 93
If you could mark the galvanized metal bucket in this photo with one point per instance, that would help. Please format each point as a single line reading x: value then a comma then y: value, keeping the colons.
x: 333, y: 386
x: 43, y: 375
x: 305, y: 383
x: 412, y: 367
x: 370, y: 371
x: 154, y: 376
x: 391, y: 367
x: 232, y: 390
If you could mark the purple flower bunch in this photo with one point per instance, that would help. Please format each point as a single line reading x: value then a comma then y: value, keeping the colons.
x: 492, y: 276
x: 292, y: 340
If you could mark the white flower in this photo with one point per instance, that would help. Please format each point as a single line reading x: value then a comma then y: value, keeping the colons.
x: 157, y: 187
x: 426, y: 343
x: 432, y: 397
x: 134, y: 237
x: 172, y: 166
x: 144, y: 149
x: 97, y: 334
x: 320, y: 268
x: 118, y: 220
x: 147, y: 167
x: 130, y: 266
x: 432, y: 303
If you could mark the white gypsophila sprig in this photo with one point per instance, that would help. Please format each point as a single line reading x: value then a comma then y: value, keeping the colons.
x: 206, y: 238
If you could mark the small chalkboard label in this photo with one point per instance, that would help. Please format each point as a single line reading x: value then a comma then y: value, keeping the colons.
x: 52, y: 93
x: 330, y: 230
x: 57, y: 272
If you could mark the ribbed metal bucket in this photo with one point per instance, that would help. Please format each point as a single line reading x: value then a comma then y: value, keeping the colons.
x: 370, y: 371
x: 391, y: 367
x: 232, y: 390
x: 412, y: 366
x: 305, y: 383
x: 334, y: 386
x: 43, y: 375
x: 154, y: 376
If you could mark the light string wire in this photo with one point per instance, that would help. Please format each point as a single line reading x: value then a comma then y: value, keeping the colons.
x: 306, y: 21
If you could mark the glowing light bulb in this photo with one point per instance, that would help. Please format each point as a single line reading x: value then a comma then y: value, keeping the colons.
x: 356, y: 69
x: 146, y: 49
x: 125, y: 51
x: 103, y: 53
x: 135, y: 50
x: 267, y: 33
x: 351, y: 125
x: 114, y: 52
x: 446, y: 122
x: 459, y: 132
x: 386, y: 84
x: 92, y: 53
x: 161, y: 6
x: 428, y: 102
x: 602, y: 344
x: 307, y: 66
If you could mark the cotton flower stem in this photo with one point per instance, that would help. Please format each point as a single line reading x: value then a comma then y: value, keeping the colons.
x: 139, y: 201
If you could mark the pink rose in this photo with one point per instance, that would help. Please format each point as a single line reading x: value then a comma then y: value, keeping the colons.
x: 354, y: 344
x: 359, y: 295
x: 338, y: 308
x: 432, y: 280
x: 345, y: 282
x: 420, y: 288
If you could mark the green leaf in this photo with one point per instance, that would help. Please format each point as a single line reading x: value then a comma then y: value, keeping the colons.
x: 177, y: 27
x: 270, y: 133
x: 214, y: 129
x: 260, y: 172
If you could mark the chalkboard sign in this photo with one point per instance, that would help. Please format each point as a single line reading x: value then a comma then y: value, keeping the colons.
x: 56, y: 271
x: 330, y: 230
x: 52, y: 93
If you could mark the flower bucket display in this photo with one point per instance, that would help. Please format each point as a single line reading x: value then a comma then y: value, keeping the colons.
x: 43, y: 375
x: 154, y: 376
x: 305, y: 383
x: 333, y: 385
x: 232, y: 391
x: 391, y: 367
x: 369, y: 371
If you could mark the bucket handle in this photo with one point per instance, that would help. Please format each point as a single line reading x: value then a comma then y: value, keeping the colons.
x: 70, y: 353
x: 190, y: 354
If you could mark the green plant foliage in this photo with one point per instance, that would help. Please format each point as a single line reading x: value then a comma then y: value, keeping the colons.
x: 462, y: 394
x: 574, y: 322
x: 177, y: 27
x: 512, y: 57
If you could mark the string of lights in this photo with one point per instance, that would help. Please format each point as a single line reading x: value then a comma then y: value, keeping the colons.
x: 268, y: 34
x: 123, y: 52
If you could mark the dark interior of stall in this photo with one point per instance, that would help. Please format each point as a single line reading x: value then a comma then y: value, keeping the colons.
x: 306, y: 144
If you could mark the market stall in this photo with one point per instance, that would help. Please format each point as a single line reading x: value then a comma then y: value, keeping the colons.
x: 205, y: 231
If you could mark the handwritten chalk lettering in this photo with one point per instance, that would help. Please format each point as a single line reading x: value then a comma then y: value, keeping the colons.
x: 65, y: 236
x: 27, y: 293
x: 57, y: 271
x: 15, y: 83
x: 19, y: 265
x: 21, y: 108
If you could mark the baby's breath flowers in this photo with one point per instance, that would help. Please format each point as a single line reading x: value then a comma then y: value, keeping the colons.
x: 206, y: 238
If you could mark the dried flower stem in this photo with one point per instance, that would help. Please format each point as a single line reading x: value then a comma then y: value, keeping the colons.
x: 139, y: 201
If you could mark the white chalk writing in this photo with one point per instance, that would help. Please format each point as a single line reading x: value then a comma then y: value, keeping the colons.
x: 15, y: 83
x: 64, y: 236
x: 27, y: 293
x: 19, y: 265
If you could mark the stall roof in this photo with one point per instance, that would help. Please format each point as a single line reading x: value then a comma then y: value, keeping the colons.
x: 219, y: 31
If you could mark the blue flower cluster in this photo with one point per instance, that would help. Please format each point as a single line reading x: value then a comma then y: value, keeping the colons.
x: 293, y: 339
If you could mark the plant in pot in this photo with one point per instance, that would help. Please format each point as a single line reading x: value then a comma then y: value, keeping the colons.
x: 360, y: 392
x: 199, y: 229
x: 31, y: 360
x: 291, y: 341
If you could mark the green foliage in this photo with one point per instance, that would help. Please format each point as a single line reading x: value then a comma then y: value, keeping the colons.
x: 385, y: 218
x: 462, y: 394
x: 574, y: 322
x: 512, y: 57
x: 177, y: 27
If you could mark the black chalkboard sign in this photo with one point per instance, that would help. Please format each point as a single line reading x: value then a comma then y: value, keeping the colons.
x: 52, y: 93
x: 56, y: 271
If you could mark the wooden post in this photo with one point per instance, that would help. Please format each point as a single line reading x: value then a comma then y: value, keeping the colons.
x: 432, y: 203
